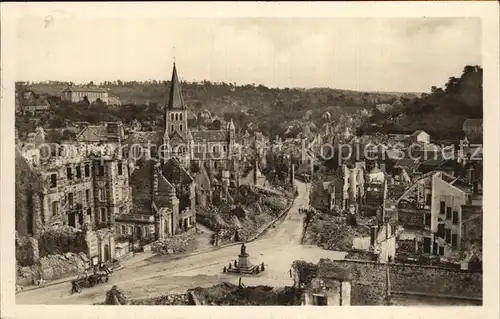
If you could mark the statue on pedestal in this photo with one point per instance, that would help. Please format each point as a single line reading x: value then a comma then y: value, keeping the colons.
x: 243, y: 249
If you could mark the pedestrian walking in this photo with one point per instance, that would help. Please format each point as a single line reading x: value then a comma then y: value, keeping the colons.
x: 224, y: 269
x: 290, y: 272
x: 229, y: 265
x: 239, y: 283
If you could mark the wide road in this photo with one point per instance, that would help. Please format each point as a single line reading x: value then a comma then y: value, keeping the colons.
x: 277, y: 248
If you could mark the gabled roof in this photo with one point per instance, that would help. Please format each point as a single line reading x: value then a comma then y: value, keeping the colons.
x: 144, y: 138
x: 85, y: 89
x: 210, y: 135
x: 100, y: 133
x: 175, y: 100
x: 473, y: 122
x: 418, y: 132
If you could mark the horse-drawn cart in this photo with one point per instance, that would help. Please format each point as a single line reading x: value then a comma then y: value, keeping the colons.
x: 89, y: 280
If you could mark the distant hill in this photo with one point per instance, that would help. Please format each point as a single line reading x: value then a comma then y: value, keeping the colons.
x: 440, y: 113
x: 270, y: 109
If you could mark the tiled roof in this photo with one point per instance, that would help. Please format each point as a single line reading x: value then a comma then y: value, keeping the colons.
x: 417, y: 132
x: 473, y: 122
x: 144, y: 138
x: 101, y: 131
x: 406, y: 163
x: 85, y: 89
x: 210, y: 135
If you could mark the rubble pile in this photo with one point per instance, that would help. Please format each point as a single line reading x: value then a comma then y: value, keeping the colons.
x: 176, y: 244
x: 227, y: 294
x: 53, y: 267
x: 326, y: 231
x: 254, y: 210
x: 26, y: 250
x: 116, y: 296
x: 61, y: 239
x: 166, y: 300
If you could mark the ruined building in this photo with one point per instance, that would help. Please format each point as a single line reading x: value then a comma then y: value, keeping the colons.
x: 68, y: 186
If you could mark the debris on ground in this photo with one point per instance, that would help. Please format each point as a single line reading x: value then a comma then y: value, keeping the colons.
x: 176, y: 244
x: 332, y: 232
x: 226, y: 294
x: 116, y: 296
x: 167, y: 300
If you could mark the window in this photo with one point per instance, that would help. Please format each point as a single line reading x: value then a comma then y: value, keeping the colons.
x: 124, y: 230
x: 53, y: 180
x: 78, y: 172
x: 428, y: 199
x: 172, y: 116
x: 454, y: 240
x: 224, y: 148
x: 100, y: 171
x: 71, y: 219
x: 120, y: 168
x: 87, y: 170
x: 427, y: 245
x: 87, y: 195
x: 448, y: 213
x: 103, y: 215
x: 441, y: 231
x: 442, y: 207
x: 101, y: 194
x: 427, y: 220
x: 180, y: 127
x: 455, y: 218
x: 171, y: 128
x: 69, y: 172
x: 146, y: 232
x: 176, y: 116
x: 448, y: 236
x: 89, y: 211
x: 120, y: 210
x: 70, y: 199
x: 54, y: 208
x: 180, y: 117
x: 441, y: 251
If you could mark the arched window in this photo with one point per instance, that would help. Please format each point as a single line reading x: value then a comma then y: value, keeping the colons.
x: 171, y: 116
x: 171, y: 128
x: 180, y: 127
x: 180, y: 117
x: 176, y: 116
x: 214, y: 149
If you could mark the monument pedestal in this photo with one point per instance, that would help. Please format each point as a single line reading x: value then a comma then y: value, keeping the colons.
x: 244, y: 265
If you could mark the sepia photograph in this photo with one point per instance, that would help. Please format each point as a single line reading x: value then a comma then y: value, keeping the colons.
x: 248, y: 161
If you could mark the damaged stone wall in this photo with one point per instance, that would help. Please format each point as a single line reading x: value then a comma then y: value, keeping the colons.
x: 369, y: 280
x: 26, y: 250
x: 60, y: 240
x: 53, y: 267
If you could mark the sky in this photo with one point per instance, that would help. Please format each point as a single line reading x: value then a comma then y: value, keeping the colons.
x: 368, y: 54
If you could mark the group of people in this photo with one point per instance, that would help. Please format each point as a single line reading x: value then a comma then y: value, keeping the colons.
x: 257, y: 269
x: 305, y: 211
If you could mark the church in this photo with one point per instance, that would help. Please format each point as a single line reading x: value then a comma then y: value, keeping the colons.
x: 214, y: 149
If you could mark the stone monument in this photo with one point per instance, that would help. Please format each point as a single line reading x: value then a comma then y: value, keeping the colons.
x: 243, y: 266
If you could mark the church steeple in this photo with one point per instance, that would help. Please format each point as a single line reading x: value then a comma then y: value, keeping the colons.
x: 175, y: 100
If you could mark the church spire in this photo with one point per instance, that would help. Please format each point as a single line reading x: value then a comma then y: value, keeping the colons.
x: 175, y: 100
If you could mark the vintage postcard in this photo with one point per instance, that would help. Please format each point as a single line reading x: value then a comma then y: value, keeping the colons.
x: 252, y: 154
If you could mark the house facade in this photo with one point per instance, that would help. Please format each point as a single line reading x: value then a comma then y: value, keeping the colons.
x: 77, y: 94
